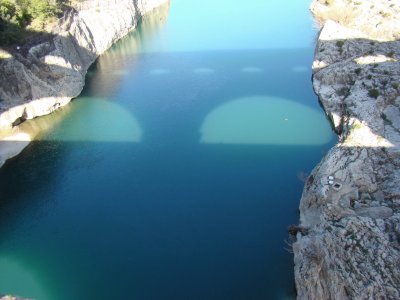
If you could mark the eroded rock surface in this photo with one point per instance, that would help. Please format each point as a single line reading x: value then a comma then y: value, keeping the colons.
x: 36, y: 80
x: 351, y: 203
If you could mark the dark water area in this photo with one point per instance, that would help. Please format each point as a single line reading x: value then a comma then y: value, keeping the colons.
x: 177, y: 172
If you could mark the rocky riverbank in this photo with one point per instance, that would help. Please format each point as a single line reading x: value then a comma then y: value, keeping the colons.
x: 36, y: 80
x: 348, y: 242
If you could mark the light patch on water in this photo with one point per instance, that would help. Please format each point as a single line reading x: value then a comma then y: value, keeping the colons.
x: 98, y: 120
x: 300, y: 69
x: 159, y: 72
x: 203, y: 71
x: 120, y: 72
x: 265, y: 121
x: 17, y: 279
x: 185, y: 30
x: 252, y: 70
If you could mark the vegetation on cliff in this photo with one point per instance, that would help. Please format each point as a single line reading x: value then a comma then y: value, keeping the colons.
x: 20, y: 18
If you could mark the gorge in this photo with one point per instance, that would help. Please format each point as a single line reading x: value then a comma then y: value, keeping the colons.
x: 175, y: 173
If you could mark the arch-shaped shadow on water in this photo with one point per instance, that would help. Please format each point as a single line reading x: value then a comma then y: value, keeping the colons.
x: 173, y: 211
x: 262, y: 120
x: 38, y: 168
x: 251, y: 72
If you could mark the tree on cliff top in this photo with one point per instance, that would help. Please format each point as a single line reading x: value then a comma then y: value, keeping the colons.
x: 17, y: 16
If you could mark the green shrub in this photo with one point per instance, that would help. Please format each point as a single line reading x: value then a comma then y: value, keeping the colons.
x: 355, y: 126
x: 17, y: 16
x: 339, y: 44
x: 373, y: 93
x: 344, y: 91
x: 390, y: 54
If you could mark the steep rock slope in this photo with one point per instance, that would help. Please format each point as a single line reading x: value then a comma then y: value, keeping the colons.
x: 35, y: 81
x: 348, y: 245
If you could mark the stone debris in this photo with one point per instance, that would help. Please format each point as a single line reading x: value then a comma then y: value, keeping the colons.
x: 352, y: 246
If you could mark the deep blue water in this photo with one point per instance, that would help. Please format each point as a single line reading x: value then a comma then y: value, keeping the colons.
x: 177, y: 172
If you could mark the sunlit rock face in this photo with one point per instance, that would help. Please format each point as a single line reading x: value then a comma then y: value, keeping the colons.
x: 377, y: 19
x: 351, y: 202
x: 36, y: 81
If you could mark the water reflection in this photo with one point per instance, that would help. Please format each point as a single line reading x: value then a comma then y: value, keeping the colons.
x: 265, y: 120
x: 203, y: 71
x: 252, y: 70
x: 120, y: 59
x: 227, y: 25
x: 163, y: 216
x: 159, y: 72
x: 300, y: 69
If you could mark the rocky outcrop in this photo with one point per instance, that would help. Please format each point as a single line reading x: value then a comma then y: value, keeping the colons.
x: 350, y: 207
x: 37, y: 80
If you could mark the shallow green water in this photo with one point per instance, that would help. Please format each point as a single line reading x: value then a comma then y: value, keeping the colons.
x: 177, y: 172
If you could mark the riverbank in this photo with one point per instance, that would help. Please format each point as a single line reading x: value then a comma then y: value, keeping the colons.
x: 348, y: 246
x: 39, y: 79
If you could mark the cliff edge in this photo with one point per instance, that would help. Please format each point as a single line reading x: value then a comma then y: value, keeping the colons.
x: 348, y: 242
x: 36, y: 80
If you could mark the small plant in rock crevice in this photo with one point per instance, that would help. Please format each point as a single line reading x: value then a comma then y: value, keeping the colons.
x: 373, y: 93
x: 356, y: 126
x: 390, y: 54
x: 339, y: 44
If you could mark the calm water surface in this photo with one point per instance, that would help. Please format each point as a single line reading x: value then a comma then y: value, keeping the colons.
x: 176, y: 173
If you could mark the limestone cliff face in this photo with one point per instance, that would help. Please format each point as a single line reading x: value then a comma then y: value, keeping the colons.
x: 35, y: 81
x: 349, y: 246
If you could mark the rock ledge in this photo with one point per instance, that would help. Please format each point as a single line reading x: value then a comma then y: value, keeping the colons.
x: 350, y: 205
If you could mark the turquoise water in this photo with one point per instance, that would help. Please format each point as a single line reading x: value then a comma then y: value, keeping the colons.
x: 177, y: 172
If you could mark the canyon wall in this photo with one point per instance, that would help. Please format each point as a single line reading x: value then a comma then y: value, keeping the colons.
x: 348, y: 242
x: 36, y: 80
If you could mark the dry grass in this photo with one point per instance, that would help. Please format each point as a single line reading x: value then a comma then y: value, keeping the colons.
x: 337, y: 11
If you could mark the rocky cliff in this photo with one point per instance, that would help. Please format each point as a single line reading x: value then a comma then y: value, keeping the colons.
x: 348, y: 242
x: 36, y: 80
